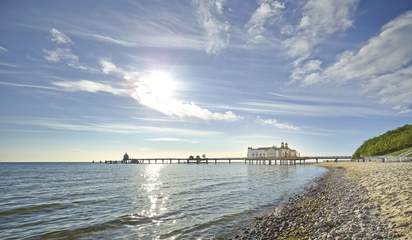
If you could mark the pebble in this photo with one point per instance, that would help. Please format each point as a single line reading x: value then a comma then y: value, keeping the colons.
x: 334, y: 208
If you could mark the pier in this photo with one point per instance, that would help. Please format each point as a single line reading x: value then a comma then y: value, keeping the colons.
x: 228, y: 160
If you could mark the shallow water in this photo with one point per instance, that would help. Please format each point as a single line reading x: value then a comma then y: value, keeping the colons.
x: 94, y: 201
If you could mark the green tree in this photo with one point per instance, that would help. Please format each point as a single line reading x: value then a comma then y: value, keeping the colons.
x: 391, y: 141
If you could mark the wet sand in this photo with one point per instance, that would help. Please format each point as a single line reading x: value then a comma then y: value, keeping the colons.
x: 352, y: 201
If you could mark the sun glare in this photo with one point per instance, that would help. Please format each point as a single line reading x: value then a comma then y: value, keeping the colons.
x: 161, y: 84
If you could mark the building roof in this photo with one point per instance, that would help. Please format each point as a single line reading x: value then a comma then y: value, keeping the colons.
x: 273, y: 147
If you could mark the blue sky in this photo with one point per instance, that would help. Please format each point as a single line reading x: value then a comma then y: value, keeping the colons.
x: 89, y: 80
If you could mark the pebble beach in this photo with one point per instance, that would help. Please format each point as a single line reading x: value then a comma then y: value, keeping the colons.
x: 351, y: 201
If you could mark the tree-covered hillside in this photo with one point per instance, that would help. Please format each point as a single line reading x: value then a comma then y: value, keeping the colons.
x: 391, y: 141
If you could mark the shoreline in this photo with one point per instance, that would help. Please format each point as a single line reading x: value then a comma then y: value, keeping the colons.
x: 350, y: 201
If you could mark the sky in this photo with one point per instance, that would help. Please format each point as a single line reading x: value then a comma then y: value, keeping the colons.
x: 90, y: 80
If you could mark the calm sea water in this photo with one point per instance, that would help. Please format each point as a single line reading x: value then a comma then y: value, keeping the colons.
x: 95, y: 201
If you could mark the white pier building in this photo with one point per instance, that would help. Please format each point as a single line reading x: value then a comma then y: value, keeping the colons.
x: 272, y: 152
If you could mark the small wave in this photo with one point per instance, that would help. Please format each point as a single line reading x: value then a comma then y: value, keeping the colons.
x: 207, y: 188
x: 32, y: 209
x: 84, y: 231
x: 215, y: 222
x: 130, y: 219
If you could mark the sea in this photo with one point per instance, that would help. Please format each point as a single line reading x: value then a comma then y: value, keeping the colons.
x: 141, y: 201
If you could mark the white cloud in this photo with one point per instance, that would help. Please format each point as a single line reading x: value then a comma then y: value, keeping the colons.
x: 320, y: 18
x: 276, y: 123
x: 387, y: 52
x: 211, y: 18
x: 305, y: 69
x: 108, y: 67
x: 156, y: 90
x: 63, y: 55
x: 3, y: 49
x: 87, y: 86
x: 380, y: 65
x: 59, y: 37
x: 266, y: 11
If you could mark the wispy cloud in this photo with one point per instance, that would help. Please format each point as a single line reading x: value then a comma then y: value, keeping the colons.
x: 87, y: 86
x: 164, y: 40
x: 105, y: 39
x: 380, y: 65
x: 170, y: 139
x: 156, y: 91
x: 64, y: 54
x: 27, y: 85
x: 275, y: 123
x: 151, y: 25
x: 122, y: 128
x: 309, y: 109
x: 150, y: 119
x: 393, y: 88
x: 4, y: 64
x: 71, y: 86
x: 150, y: 32
x: 317, y: 98
x: 59, y: 37
x: 3, y: 49
x: 267, y: 11
x: 210, y: 14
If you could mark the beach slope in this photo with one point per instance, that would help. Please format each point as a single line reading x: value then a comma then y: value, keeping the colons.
x: 389, y: 187
x: 352, y: 201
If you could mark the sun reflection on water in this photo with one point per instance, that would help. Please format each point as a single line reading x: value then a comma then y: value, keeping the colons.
x: 152, y: 186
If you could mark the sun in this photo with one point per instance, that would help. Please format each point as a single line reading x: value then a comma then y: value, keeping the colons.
x: 160, y: 83
x: 158, y: 90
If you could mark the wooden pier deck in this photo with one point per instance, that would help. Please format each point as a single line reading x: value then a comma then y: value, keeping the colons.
x: 228, y: 160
